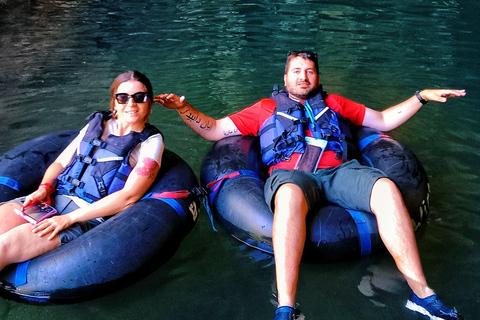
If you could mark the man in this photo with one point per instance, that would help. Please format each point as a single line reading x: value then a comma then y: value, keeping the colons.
x: 301, y: 173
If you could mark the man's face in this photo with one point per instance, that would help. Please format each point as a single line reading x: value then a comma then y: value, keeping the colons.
x: 301, y: 78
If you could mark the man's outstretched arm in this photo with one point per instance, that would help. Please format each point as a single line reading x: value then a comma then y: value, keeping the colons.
x: 202, y: 124
x: 397, y: 115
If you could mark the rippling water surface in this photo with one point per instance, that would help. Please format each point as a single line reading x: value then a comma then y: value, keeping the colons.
x: 58, y: 59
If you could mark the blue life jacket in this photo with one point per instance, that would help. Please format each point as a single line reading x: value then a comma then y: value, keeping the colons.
x: 101, y: 167
x: 284, y: 132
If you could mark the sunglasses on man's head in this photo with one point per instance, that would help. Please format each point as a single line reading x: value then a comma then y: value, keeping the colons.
x: 307, y: 54
x: 138, y: 97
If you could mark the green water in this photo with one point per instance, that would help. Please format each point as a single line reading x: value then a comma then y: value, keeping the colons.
x: 58, y: 59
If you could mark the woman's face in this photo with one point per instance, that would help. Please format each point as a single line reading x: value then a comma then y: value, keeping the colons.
x: 131, y: 108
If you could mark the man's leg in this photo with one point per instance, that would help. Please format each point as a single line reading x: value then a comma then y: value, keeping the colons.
x: 289, y: 234
x: 396, y: 230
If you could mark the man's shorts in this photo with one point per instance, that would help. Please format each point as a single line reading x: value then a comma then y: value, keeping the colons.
x: 65, y: 205
x: 348, y: 185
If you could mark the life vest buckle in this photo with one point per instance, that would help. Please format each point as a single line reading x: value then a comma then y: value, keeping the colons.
x: 88, y: 160
x: 304, y: 120
x: 98, y: 143
x: 77, y: 183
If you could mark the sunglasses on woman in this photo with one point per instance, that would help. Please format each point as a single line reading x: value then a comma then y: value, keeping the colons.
x: 138, y: 97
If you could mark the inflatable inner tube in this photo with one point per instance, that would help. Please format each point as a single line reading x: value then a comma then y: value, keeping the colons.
x: 124, y: 248
x: 234, y: 173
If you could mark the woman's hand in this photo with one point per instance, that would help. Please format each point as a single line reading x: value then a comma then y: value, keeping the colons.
x: 36, y: 196
x: 52, y: 226
x: 170, y: 100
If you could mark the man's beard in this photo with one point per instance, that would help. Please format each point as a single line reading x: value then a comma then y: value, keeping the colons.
x: 303, y: 93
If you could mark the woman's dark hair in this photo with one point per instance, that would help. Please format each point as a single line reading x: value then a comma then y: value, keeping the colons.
x: 127, y: 76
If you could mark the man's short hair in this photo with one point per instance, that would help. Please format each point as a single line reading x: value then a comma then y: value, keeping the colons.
x: 310, y: 55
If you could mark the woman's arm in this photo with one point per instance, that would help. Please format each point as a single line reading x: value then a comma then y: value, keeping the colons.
x: 49, y: 179
x: 138, y: 182
x: 397, y: 115
x: 202, y: 124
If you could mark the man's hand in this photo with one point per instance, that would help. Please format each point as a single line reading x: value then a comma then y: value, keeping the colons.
x: 441, y: 95
x: 170, y: 100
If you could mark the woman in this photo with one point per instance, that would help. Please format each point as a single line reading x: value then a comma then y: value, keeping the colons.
x: 104, y: 170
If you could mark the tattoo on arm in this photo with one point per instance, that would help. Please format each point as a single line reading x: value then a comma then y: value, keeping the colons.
x: 146, y: 168
x: 192, y: 117
x: 229, y: 132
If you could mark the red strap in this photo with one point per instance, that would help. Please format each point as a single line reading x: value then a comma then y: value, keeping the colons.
x: 171, y: 194
x: 47, y: 186
x: 228, y: 176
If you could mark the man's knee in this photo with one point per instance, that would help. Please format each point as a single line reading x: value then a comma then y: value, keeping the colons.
x: 288, y: 189
x: 385, y: 194
x: 290, y: 194
x: 385, y: 186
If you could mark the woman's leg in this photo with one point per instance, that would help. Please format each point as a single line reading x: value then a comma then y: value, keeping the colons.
x: 21, y: 244
x: 8, y: 218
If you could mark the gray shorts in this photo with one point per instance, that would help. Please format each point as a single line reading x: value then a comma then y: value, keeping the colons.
x: 65, y: 205
x: 348, y: 185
